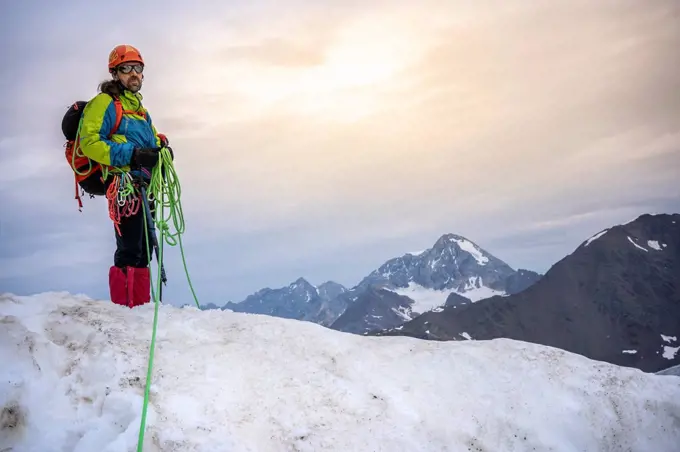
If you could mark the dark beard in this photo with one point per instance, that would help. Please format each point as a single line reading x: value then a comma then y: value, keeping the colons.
x: 134, y: 89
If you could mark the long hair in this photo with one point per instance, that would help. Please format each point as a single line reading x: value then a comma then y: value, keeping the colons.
x: 110, y: 87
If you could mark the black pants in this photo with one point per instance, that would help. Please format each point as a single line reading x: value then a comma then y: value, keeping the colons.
x: 135, y: 234
x: 131, y: 244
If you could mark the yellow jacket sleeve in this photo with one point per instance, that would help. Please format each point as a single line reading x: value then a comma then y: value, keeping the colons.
x: 99, y: 117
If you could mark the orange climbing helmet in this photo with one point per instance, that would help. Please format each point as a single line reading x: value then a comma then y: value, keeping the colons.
x: 122, y: 54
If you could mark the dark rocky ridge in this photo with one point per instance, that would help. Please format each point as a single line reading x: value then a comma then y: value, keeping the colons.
x: 619, y: 290
x: 299, y: 300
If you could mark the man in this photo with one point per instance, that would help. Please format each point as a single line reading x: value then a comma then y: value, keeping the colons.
x: 132, y: 149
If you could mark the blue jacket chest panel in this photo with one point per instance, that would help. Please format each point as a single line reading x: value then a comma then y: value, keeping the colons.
x: 137, y: 131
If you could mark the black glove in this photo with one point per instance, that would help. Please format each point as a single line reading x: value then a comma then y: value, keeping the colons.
x: 172, y: 154
x: 144, y: 157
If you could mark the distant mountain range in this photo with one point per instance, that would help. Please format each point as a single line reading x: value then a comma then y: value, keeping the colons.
x: 300, y: 300
x: 454, y: 271
x: 615, y: 298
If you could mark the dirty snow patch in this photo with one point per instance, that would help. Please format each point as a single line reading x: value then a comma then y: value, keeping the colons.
x: 629, y: 352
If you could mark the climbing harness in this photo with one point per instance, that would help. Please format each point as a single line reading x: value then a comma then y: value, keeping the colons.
x: 123, y: 199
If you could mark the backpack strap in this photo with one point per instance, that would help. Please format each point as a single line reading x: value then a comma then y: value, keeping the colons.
x: 138, y: 113
x: 120, y: 112
x: 119, y: 115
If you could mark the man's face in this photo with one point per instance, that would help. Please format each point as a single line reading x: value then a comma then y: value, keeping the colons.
x: 130, y: 75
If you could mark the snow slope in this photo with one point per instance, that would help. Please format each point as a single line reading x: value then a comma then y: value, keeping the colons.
x: 426, y: 299
x: 471, y: 248
x: 73, y: 372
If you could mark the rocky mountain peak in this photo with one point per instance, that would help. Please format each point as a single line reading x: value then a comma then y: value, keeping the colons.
x: 424, y: 281
x: 302, y: 286
x: 330, y: 289
x: 452, y: 263
x: 615, y: 298
x: 459, y: 246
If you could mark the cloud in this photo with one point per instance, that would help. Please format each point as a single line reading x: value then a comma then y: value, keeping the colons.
x: 276, y: 52
x: 323, y: 139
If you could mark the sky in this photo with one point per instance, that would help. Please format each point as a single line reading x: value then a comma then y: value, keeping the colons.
x: 320, y: 139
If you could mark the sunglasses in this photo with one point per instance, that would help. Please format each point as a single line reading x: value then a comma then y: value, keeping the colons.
x: 127, y: 68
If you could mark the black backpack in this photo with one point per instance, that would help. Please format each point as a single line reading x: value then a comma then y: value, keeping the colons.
x: 87, y: 173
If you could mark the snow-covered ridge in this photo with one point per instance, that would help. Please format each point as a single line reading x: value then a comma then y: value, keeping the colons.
x: 470, y: 247
x: 595, y: 237
x: 227, y: 381
x: 654, y: 244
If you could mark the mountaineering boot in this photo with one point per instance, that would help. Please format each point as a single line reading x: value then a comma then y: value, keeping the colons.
x: 118, y: 286
x: 138, y: 286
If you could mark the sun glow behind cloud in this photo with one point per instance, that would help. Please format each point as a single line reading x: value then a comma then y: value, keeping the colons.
x: 324, y: 134
x: 440, y: 99
x: 345, y: 84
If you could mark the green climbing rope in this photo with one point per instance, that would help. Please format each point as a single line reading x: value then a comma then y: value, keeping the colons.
x: 164, y: 191
x: 152, y: 347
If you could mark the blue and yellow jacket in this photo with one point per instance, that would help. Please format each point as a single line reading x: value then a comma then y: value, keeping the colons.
x: 99, y: 117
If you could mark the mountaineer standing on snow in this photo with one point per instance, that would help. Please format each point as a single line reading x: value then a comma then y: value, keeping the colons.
x: 133, y: 149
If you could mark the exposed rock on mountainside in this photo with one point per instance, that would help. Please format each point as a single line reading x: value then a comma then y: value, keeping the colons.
x: 616, y: 298
x: 454, y: 271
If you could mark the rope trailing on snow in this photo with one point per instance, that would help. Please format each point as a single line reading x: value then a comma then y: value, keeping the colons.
x: 152, y: 347
x: 165, y: 191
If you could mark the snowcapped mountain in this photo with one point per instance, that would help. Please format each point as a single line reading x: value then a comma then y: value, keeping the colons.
x: 453, y: 264
x: 425, y: 280
x: 74, y: 374
x: 299, y: 300
x: 615, y: 298
x: 418, y: 282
